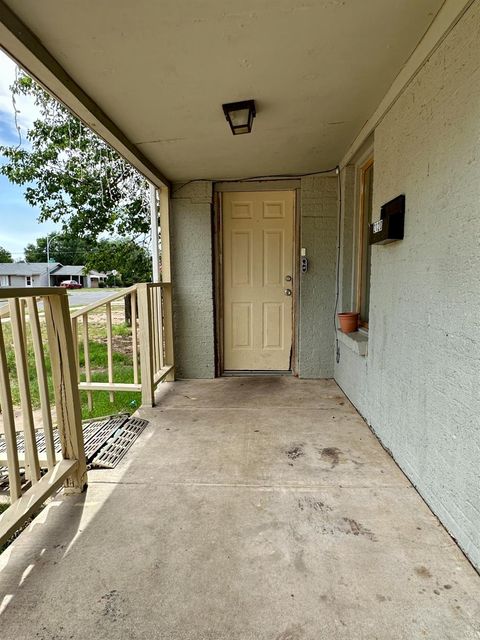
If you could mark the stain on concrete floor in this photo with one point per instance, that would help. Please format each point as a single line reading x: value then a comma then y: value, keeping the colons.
x: 210, y: 531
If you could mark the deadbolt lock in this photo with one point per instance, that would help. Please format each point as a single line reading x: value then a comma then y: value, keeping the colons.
x: 288, y: 278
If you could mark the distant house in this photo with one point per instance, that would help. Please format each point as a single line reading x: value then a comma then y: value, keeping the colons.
x: 71, y: 272
x: 34, y: 274
x: 25, y: 274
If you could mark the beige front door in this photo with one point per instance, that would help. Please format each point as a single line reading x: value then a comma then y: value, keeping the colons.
x: 258, y: 280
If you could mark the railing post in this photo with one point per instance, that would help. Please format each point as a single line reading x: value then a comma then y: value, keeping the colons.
x: 168, y: 330
x: 146, y: 344
x: 67, y: 395
x: 10, y: 436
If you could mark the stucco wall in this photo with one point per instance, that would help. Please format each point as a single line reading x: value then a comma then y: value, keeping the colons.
x: 319, y: 209
x: 419, y: 384
x: 191, y: 247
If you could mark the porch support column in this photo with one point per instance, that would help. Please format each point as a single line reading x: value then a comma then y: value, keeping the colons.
x: 319, y: 202
x: 192, y: 275
x: 155, y: 236
x: 164, y: 197
x: 165, y: 234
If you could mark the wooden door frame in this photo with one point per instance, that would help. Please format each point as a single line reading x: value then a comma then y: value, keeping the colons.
x: 362, y: 169
x: 217, y: 250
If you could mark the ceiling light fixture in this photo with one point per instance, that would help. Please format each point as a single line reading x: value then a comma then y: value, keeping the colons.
x: 240, y: 116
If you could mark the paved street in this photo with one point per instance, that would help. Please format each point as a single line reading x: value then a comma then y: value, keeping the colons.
x: 81, y: 297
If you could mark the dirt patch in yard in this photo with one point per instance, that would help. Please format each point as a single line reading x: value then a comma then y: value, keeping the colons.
x: 37, y: 418
x: 118, y: 316
x: 120, y: 344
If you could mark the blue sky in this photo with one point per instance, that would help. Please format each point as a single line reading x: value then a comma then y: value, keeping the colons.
x: 18, y: 220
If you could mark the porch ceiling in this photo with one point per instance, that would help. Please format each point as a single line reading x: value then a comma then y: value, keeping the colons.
x: 161, y: 71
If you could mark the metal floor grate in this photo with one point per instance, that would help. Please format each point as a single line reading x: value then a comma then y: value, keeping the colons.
x: 101, y: 434
x: 111, y: 454
x: 106, y: 442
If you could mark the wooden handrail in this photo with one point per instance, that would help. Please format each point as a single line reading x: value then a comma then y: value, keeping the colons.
x: 30, y: 292
x: 25, y: 293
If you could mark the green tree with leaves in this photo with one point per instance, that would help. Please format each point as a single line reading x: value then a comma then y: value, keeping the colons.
x: 74, y: 177
x: 131, y: 261
x: 65, y: 248
x: 5, y: 256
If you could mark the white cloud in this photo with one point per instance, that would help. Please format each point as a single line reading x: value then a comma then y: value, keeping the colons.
x: 27, y: 111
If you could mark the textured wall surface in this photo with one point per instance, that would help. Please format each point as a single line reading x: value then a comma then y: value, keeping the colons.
x: 419, y: 384
x: 319, y: 211
x: 191, y: 237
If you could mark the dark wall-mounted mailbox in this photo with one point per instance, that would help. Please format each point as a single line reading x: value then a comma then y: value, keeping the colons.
x: 390, y: 226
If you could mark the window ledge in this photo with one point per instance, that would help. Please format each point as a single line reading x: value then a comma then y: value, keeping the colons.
x: 356, y: 341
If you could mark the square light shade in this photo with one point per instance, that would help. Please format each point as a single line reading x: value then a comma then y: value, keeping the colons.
x: 240, y: 116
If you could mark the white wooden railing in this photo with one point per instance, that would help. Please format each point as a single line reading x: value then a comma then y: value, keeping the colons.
x: 151, y: 336
x: 152, y: 362
x: 41, y: 478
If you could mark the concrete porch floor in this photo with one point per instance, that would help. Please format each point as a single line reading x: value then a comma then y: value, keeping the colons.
x: 250, y: 508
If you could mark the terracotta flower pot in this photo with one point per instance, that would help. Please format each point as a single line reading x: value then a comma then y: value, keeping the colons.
x: 348, y: 322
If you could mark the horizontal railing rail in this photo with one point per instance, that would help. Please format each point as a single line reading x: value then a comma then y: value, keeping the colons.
x: 100, y: 303
x: 31, y: 477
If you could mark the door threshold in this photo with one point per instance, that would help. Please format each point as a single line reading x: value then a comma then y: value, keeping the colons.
x: 258, y: 373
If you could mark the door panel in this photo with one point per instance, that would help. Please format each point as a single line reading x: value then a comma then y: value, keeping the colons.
x: 273, y: 251
x: 242, y: 325
x: 257, y: 257
x: 273, y: 313
x: 242, y: 253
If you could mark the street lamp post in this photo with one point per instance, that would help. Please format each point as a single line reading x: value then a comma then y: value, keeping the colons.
x: 49, y: 239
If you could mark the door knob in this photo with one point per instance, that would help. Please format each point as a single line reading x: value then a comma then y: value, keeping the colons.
x: 288, y: 292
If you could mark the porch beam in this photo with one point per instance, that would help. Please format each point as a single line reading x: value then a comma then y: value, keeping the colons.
x: 22, y: 45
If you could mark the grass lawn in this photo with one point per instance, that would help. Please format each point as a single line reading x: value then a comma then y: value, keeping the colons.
x: 124, y: 401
